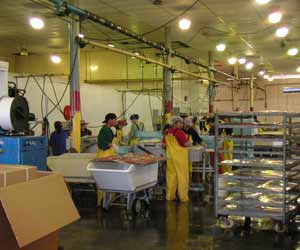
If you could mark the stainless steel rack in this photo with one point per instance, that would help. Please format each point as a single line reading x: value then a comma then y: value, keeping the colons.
x: 252, y: 173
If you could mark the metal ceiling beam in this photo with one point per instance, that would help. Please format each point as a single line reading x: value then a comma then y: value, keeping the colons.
x: 84, y: 41
x: 65, y: 8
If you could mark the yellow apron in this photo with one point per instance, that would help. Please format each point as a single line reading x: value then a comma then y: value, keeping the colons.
x: 119, y: 135
x: 177, y: 170
x: 133, y: 142
x: 227, y: 146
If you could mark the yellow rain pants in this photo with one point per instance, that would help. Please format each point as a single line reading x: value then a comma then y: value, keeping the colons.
x: 177, y: 170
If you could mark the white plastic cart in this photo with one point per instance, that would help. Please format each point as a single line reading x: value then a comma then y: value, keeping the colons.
x: 124, y: 184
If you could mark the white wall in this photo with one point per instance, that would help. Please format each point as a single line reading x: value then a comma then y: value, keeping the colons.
x: 96, y: 101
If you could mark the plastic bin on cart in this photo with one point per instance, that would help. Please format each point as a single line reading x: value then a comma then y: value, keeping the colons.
x: 116, y: 176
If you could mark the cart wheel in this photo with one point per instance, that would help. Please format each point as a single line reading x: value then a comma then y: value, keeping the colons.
x: 226, y: 222
x: 279, y: 227
x: 137, y: 206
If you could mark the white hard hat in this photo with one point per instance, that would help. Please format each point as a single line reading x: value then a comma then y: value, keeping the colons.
x: 175, y: 119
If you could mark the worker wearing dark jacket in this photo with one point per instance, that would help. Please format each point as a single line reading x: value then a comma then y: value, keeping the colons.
x: 191, y: 132
x: 58, y: 139
x: 106, y: 136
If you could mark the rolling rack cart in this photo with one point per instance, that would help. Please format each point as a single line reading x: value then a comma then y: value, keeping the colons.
x: 259, y: 188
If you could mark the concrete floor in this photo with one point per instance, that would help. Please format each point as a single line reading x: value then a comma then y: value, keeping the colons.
x: 170, y: 226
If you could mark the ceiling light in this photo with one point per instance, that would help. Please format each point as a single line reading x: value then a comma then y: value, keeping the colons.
x: 81, y: 35
x: 242, y: 60
x: 298, y: 69
x: 275, y: 17
x: 266, y: 76
x: 286, y: 77
x: 262, y: 2
x: 55, y: 59
x: 249, y: 65
x: 94, y: 67
x: 232, y: 60
x: 262, y: 72
x: 221, y: 47
x: 36, y: 23
x: 270, y: 79
x: 293, y: 52
x: 282, y: 32
x: 184, y: 23
x: 111, y: 45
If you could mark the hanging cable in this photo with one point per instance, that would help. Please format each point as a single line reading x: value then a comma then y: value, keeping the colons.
x: 151, y: 111
x: 170, y: 21
x: 42, y: 99
x: 69, y: 81
x: 54, y: 91
x: 43, y: 92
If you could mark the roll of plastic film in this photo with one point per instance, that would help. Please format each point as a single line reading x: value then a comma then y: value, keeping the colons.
x: 5, y: 117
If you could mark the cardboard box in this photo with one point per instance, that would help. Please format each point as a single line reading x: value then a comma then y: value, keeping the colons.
x: 32, y: 212
x: 12, y: 174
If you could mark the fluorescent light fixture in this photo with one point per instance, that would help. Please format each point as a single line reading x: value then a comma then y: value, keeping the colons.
x: 262, y: 72
x: 275, y: 17
x: 266, y: 77
x: 242, y: 60
x: 184, y: 24
x: 298, y: 69
x: 232, y: 60
x: 279, y: 77
x: 81, y: 35
x: 262, y: 2
x: 36, y: 23
x: 249, y: 65
x: 221, y: 47
x: 293, y: 52
x: 55, y: 59
x: 282, y: 32
x: 94, y: 67
x: 111, y: 45
x: 291, y: 90
x: 270, y: 79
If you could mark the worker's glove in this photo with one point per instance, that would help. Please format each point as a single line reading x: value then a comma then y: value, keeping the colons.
x: 116, y: 148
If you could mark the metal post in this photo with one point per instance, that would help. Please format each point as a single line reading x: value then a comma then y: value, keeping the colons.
x: 167, y: 87
x: 211, y: 84
x: 75, y: 84
x: 252, y: 93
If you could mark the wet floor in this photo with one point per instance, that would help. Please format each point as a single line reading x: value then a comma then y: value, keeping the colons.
x: 166, y: 226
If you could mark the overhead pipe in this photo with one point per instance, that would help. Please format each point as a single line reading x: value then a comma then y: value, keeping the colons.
x: 84, y: 41
x: 84, y: 14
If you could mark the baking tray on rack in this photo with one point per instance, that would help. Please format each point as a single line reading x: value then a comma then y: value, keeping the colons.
x: 261, y: 163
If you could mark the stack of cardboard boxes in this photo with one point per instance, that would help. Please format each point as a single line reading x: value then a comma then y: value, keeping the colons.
x: 34, y: 206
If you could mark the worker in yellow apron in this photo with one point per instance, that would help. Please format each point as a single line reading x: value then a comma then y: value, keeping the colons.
x: 228, y: 146
x: 135, y: 128
x: 177, y: 144
x: 106, y: 142
x: 119, y: 131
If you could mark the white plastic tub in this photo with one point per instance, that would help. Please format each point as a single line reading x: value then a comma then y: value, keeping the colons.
x: 72, y: 166
x: 115, y: 176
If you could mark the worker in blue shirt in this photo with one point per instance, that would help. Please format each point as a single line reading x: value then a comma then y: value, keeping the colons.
x: 58, y: 139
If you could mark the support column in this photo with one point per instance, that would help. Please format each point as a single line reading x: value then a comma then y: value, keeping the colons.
x: 75, y: 84
x: 167, y: 85
x: 212, y: 87
x: 252, y: 93
x: 234, y: 89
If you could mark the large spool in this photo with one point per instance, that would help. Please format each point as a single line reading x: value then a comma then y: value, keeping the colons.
x: 14, y: 113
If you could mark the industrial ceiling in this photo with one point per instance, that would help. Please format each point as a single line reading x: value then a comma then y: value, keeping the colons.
x: 241, y: 24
